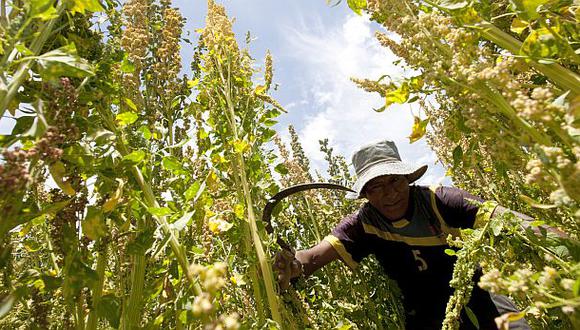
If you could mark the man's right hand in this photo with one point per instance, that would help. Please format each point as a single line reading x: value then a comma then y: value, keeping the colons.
x: 287, y: 267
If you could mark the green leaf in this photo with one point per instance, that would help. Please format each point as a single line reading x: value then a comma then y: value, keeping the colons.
x: 43, y: 9
x: 159, y: 211
x: 171, y: 163
x: 94, y: 224
x: 472, y: 317
x: 540, y: 43
x: 357, y: 5
x: 82, y: 6
x: 399, y: 95
x: 127, y: 66
x: 23, y: 124
x: 496, y: 226
x: 126, y: 118
x: 63, y: 61
x: 144, y: 130
x: 528, y: 9
x: 109, y: 308
x: 194, y: 191
x: 197, y: 250
x: 135, y: 157
x: 281, y: 168
x: 450, y: 252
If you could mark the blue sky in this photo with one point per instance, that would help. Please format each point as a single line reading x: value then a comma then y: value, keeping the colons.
x: 316, y: 49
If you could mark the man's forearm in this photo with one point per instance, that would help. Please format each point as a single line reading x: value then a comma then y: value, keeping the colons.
x: 316, y: 257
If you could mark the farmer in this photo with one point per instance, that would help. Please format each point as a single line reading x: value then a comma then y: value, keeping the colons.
x: 405, y: 226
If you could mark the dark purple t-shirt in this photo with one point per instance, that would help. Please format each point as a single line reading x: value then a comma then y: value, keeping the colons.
x: 411, y: 250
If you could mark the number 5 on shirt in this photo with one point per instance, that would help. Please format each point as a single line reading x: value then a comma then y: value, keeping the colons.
x: 421, y: 263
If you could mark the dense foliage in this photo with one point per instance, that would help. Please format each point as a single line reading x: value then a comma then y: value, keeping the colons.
x: 498, y: 83
x: 131, y: 194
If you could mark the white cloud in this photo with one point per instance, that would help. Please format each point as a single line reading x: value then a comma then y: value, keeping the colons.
x: 342, y: 112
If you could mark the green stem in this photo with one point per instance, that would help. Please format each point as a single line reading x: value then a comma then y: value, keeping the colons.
x: 502, y: 104
x: 562, y: 77
x: 97, y: 290
x: 80, y: 315
x: 132, y: 313
x: 52, y: 255
x: 22, y: 72
x: 263, y: 260
x: 150, y: 200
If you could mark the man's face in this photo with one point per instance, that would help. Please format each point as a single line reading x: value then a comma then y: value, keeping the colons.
x: 389, y: 194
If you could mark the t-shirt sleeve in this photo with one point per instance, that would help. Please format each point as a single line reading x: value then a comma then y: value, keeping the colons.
x: 348, y: 239
x: 457, y: 207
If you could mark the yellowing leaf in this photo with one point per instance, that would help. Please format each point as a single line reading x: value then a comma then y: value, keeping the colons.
x: 357, y: 5
x: 239, y: 211
x: 238, y: 279
x: 58, y: 172
x: 192, y: 83
x: 112, y: 202
x: 240, y: 146
x: 536, y: 204
x: 419, y: 129
x: 518, y: 26
x: 135, y: 157
x: 260, y: 89
x: 540, y: 43
x: 94, y: 224
x: 126, y: 118
x: 130, y: 104
x: 82, y: 6
x: 399, y: 95
x: 218, y: 226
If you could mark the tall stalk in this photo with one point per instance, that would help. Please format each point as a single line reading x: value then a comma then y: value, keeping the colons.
x: 133, y: 307
x: 97, y: 290
x: 239, y: 169
x: 151, y: 201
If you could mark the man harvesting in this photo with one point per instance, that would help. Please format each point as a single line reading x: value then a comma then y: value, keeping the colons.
x: 405, y: 226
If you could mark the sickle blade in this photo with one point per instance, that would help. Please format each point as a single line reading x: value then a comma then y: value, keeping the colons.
x: 273, y: 201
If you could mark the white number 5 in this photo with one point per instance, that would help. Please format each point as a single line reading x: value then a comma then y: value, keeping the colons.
x: 421, y: 264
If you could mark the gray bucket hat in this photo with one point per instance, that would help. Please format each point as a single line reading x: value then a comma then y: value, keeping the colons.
x: 380, y: 158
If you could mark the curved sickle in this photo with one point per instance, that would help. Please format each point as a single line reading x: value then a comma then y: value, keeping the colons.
x: 273, y: 201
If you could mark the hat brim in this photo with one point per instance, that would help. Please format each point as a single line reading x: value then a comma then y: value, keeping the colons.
x: 413, y: 173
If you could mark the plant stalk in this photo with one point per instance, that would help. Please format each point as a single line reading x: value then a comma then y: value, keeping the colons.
x: 97, y: 291
x: 562, y: 77
x: 264, y: 262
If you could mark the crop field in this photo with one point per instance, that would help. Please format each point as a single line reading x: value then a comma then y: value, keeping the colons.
x: 131, y: 195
